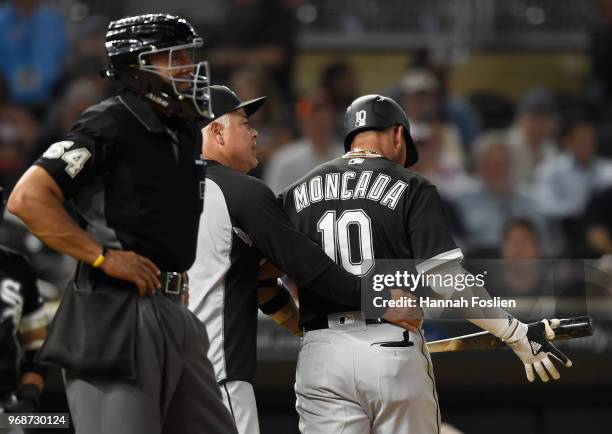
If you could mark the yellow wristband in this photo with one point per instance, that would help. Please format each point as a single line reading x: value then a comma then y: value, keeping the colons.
x: 100, y: 259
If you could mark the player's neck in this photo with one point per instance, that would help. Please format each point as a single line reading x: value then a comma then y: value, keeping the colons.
x: 360, y: 150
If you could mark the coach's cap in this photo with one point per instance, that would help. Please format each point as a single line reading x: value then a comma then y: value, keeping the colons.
x: 224, y: 100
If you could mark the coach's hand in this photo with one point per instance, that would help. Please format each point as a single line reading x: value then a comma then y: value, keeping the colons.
x: 132, y: 267
x: 407, y: 317
x: 535, y: 348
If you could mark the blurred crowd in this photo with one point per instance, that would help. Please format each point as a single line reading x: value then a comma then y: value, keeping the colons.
x: 521, y: 179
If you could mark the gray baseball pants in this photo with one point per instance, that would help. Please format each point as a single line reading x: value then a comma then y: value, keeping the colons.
x: 175, y: 390
x: 347, y: 382
x: 239, y: 398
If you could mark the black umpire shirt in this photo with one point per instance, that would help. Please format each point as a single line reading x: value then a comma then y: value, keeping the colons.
x: 133, y: 176
x: 245, y: 223
x: 361, y: 208
x: 21, y: 310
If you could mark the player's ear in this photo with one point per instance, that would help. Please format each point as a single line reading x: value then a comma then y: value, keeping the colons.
x: 399, y: 144
x: 398, y: 135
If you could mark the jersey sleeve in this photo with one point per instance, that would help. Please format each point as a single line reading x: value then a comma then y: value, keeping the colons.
x: 428, y: 231
x: 261, y: 216
x: 84, y: 153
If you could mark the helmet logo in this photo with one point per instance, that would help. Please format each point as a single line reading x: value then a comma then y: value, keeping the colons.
x: 360, y: 118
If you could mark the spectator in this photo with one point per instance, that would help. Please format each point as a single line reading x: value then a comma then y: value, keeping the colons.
x: 493, y: 197
x: 79, y: 95
x: 316, y: 146
x: 339, y: 81
x: 447, y: 173
x: 87, y: 55
x: 18, y: 131
x: 254, y: 32
x: 563, y: 184
x: 598, y: 237
x: 520, y: 240
x: 457, y: 110
x: 598, y: 219
x: 32, y: 50
x: 421, y: 101
x: 532, y: 133
x: 272, y: 120
x: 522, y: 272
x: 493, y: 109
x: 88, y: 39
x: 419, y: 94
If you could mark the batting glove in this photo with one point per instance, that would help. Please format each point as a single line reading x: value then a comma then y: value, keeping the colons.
x: 535, y: 348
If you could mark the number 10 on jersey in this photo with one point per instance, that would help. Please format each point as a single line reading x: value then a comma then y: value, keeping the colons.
x: 337, y: 238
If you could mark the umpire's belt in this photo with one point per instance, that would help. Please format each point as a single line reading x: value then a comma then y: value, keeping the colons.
x: 172, y: 283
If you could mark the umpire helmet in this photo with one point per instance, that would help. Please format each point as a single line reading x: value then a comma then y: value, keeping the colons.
x: 376, y: 112
x: 129, y: 42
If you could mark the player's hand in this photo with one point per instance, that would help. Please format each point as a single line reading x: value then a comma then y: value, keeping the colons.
x: 409, y: 318
x: 132, y: 267
x: 535, y: 349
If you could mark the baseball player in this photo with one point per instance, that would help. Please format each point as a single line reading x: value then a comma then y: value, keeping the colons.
x: 23, y: 327
x: 355, y: 377
x: 134, y: 357
x: 242, y: 225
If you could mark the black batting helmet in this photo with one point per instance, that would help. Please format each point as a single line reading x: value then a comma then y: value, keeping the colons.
x: 377, y: 112
x: 128, y: 43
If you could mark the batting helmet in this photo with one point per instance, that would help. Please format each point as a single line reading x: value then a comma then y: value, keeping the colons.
x: 128, y: 43
x: 376, y: 112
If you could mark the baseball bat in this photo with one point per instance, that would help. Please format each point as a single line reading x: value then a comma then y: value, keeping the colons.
x: 569, y: 328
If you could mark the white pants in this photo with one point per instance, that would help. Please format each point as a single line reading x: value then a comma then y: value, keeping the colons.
x: 347, y: 383
x: 239, y: 398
